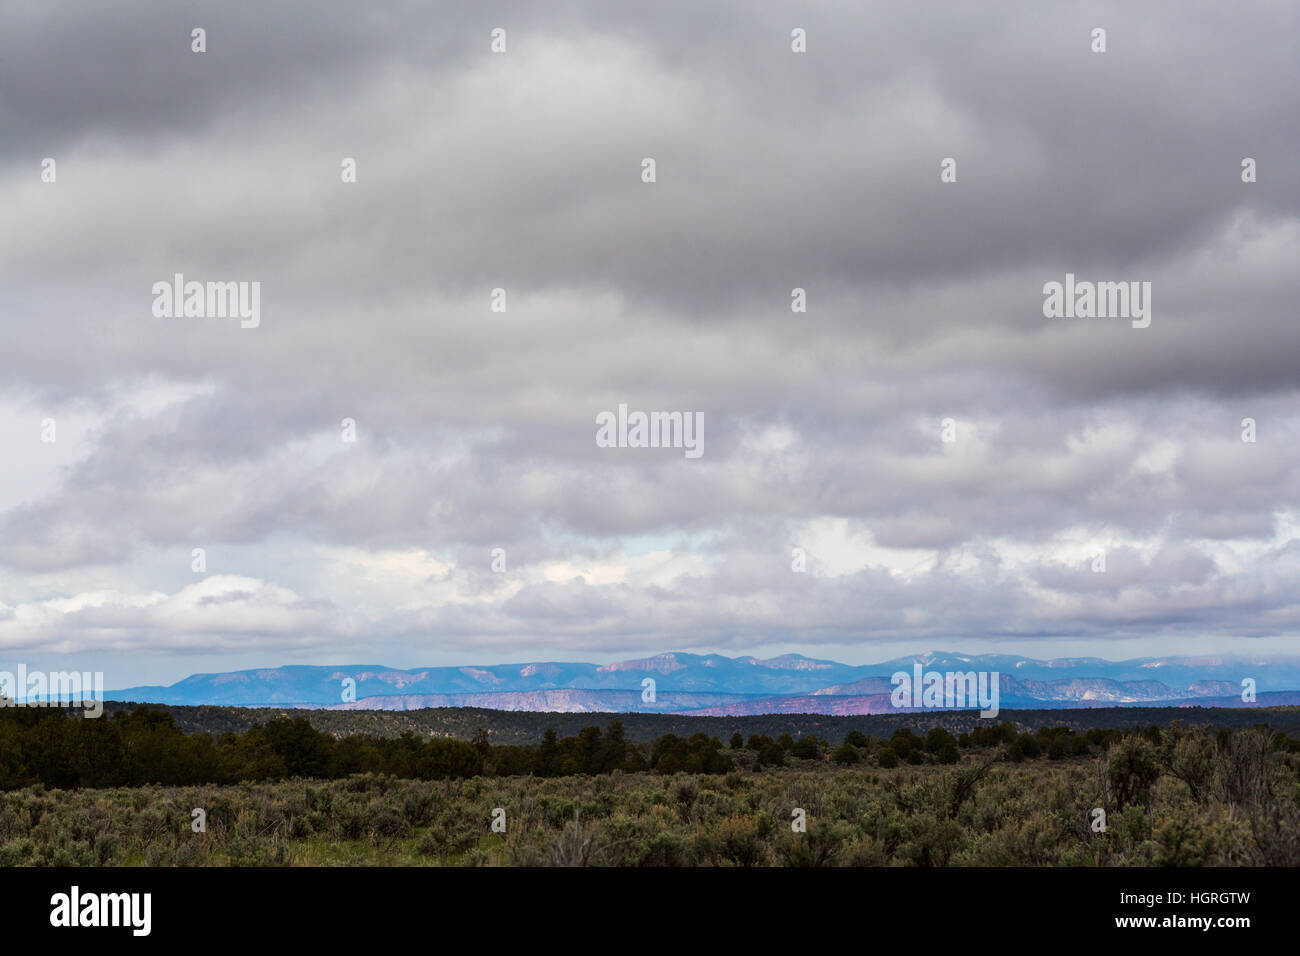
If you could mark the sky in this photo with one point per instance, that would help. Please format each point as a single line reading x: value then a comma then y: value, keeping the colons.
x: 921, y: 459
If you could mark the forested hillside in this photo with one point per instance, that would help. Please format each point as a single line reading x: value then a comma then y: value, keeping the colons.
x: 521, y: 727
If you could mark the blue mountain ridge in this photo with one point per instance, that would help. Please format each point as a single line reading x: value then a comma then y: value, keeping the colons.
x: 1083, y: 681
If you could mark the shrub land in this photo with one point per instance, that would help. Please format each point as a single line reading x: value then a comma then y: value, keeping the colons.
x: 134, y: 789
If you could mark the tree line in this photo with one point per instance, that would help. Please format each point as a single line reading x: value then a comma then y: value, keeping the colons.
x: 146, y: 746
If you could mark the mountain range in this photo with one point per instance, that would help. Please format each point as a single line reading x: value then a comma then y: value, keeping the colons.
x: 709, y: 684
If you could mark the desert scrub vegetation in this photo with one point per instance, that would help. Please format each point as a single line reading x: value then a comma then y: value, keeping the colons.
x: 1172, y: 797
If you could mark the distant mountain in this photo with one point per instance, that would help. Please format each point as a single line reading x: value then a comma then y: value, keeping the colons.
x: 881, y: 704
x: 306, y: 685
x: 563, y: 701
x: 714, y: 684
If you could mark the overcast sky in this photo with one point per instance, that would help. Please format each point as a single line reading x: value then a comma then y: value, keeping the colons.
x: 475, y: 429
